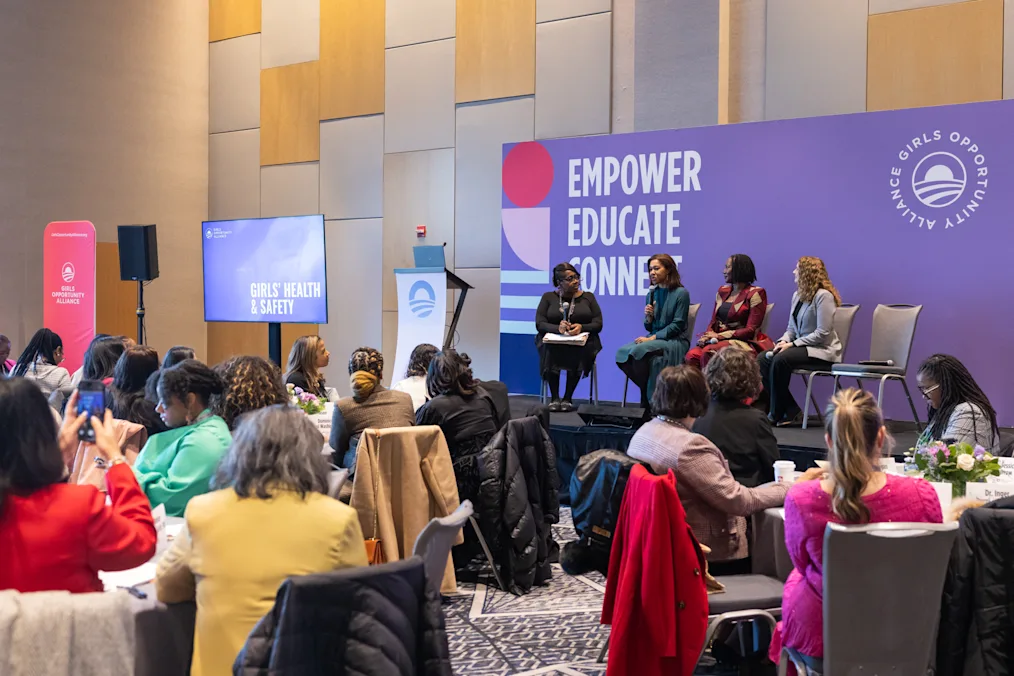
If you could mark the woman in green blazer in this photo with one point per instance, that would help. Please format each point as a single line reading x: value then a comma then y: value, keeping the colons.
x: 178, y: 464
x: 666, y: 321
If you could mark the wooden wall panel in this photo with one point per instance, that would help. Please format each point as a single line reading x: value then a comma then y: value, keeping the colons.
x: 290, y: 114
x: 935, y: 55
x: 115, y: 300
x: 289, y: 334
x: 226, y: 339
x: 351, y: 58
x: 495, y: 55
x: 233, y: 18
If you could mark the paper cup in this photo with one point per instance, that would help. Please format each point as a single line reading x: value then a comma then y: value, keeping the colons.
x: 784, y: 471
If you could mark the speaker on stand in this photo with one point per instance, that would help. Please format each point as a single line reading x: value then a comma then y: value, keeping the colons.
x: 139, y: 263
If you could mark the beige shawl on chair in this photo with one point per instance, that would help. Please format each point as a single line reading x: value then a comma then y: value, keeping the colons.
x: 83, y: 469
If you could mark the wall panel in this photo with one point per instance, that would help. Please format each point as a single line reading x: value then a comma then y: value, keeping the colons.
x: 352, y: 167
x: 742, y: 46
x: 419, y: 97
x: 1008, y: 49
x: 289, y: 334
x: 290, y: 190
x: 495, y: 51
x: 351, y: 58
x: 233, y: 18
x: 479, y: 326
x: 115, y: 300
x: 227, y: 339
x: 623, y: 66
x: 234, y: 175
x: 235, y: 84
x: 411, y: 22
x: 290, y: 114
x: 936, y: 55
x: 554, y: 10
x: 290, y: 32
x: 881, y: 6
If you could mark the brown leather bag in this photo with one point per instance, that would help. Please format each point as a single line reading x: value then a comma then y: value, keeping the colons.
x: 374, y: 546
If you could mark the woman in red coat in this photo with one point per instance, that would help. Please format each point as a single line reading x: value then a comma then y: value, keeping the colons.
x: 54, y: 535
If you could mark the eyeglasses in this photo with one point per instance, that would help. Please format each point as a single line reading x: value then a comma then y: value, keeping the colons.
x: 925, y: 392
x: 570, y: 278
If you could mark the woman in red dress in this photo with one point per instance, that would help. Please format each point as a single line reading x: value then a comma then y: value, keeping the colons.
x: 55, y: 535
x: 739, y: 312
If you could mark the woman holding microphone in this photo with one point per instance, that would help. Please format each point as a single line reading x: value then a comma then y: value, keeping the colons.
x: 567, y: 311
x: 666, y: 322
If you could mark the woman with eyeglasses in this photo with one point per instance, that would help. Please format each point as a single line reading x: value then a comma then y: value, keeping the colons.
x: 959, y: 411
x: 567, y: 311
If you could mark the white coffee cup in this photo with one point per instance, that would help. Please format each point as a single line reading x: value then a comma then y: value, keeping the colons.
x: 784, y: 470
x: 889, y: 465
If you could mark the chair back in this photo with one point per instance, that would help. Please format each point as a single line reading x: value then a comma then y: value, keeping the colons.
x: 335, y: 480
x: 844, y: 316
x: 767, y: 319
x: 435, y: 541
x: 692, y: 320
x: 874, y: 620
x: 893, y: 333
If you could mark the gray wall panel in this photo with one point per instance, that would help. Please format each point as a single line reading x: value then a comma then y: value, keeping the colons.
x: 882, y: 6
x: 748, y: 32
x: 479, y: 326
x: 676, y: 64
x: 353, y: 248
x: 235, y: 84
x: 290, y: 189
x: 413, y: 21
x: 482, y: 129
x: 552, y: 10
x: 419, y: 97
x: 623, y: 66
x: 389, y: 339
x: 352, y: 167
x: 418, y: 190
x: 816, y: 58
x: 234, y: 176
x: 573, y: 64
x: 290, y: 31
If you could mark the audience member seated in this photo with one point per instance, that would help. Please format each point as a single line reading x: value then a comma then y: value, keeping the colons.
x: 666, y: 319
x: 55, y: 535
x: 371, y: 406
x: 250, y: 383
x: 742, y: 433
x: 810, y: 341
x: 738, y: 315
x: 176, y: 354
x: 582, y: 315
x: 100, y: 359
x: 415, y: 377
x: 716, y: 504
x: 855, y: 491
x: 270, y: 520
x: 959, y: 411
x: 176, y: 465
x: 75, y: 378
x: 40, y: 361
x: 498, y: 392
x: 128, y: 402
x: 307, y: 358
x: 6, y: 363
x: 465, y: 413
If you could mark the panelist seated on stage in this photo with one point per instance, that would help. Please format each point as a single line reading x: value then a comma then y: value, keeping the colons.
x: 667, y: 323
x: 567, y: 311
x: 307, y: 357
x: 56, y: 535
x: 738, y: 315
x: 960, y: 411
x: 810, y: 341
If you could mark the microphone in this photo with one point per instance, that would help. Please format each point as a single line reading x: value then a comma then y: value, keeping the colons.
x: 650, y: 299
x: 565, y: 309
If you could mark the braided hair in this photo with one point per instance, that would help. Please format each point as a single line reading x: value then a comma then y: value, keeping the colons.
x: 957, y: 386
x: 366, y: 368
x: 43, y: 344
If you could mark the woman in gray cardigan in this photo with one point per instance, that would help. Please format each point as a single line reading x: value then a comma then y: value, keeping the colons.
x: 809, y: 342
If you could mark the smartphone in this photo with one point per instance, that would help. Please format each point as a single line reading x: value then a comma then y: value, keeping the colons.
x: 91, y: 398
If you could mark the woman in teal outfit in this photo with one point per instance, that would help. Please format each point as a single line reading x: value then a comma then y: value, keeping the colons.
x: 178, y: 464
x: 665, y: 320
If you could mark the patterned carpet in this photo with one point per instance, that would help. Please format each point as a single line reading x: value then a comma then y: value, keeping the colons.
x: 551, y: 631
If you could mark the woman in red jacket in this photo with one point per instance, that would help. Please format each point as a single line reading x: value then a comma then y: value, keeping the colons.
x: 53, y: 535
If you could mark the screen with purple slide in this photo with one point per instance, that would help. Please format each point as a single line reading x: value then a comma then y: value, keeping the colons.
x: 265, y: 270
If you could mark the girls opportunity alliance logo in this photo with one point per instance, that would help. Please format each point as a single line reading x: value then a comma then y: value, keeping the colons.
x: 941, y: 179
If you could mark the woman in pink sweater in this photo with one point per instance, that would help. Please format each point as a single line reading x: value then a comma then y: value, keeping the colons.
x: 855, y: 491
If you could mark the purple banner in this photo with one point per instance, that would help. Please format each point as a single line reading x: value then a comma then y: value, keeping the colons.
x: 912, y: 206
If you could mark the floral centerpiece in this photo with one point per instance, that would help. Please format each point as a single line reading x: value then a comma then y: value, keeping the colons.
x: 956, y: 464
x: 309, y: 402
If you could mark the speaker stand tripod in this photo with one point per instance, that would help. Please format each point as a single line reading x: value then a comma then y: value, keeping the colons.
x: 140, y: 312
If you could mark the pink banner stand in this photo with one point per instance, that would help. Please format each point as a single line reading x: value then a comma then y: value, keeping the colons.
x: 68, y: 283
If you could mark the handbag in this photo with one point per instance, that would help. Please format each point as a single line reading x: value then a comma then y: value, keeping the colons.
x: 374, y: 546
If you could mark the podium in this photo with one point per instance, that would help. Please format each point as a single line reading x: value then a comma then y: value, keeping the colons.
x: 422, y: 305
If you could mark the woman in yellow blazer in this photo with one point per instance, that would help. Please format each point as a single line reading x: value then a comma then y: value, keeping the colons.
x: 272, y: 519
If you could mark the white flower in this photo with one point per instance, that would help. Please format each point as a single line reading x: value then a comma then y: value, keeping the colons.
x: 966, y: 462
x: 295, y: 401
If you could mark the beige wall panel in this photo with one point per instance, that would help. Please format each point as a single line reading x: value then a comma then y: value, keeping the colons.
x: 495, y: 53
x: 290, y: 32
x: 815, y: 61
x: 115, y: 300
x: 936, y: 55
x: 554, y: 10
x: 418, y: 190
x: 352, y: 167
x: 881, y: 6
x: 227, y: 339
x: 479, y: 325
x: 289, y: 334
x: 290, y: 190
x: 419, y: 97
x: 389, y: 339
x: 232, y: 18
x: 746, y: 51
x: 623, y: 66
x: 409, y: 22
x: 290, y: 114
x: 235, y: 84
x: 351, y: 58
x: 234, y: 175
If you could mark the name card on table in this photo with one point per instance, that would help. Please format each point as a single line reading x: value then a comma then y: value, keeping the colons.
x: 323, y: 422
x: 988, y: 491
x: 945, y: 493
x: 159, y: 517
x: 1006, y: 472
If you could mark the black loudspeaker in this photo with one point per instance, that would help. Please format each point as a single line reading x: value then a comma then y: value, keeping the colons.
x: 138, y: 252
x: 611, y: 416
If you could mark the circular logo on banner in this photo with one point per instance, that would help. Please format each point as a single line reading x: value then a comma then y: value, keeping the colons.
x: 422, y: 299
x: 939, y: 180
x: 207, y: 233
x: 67, y: 272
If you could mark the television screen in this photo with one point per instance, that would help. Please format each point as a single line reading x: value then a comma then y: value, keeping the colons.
x: 265, y: 270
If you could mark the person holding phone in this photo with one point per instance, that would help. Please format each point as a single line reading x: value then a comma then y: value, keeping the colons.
x: 55, y: 535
